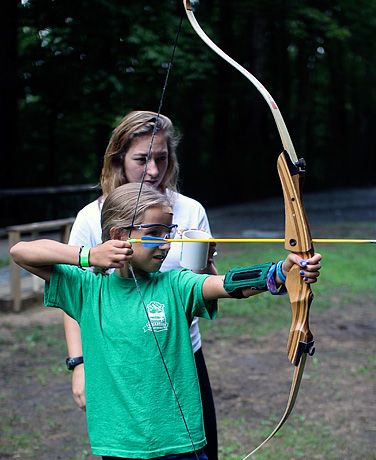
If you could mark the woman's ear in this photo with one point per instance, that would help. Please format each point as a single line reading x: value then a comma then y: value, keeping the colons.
x: 117, y: 233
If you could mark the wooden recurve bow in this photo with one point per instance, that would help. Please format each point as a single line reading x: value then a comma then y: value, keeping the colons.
x: 297, y: 233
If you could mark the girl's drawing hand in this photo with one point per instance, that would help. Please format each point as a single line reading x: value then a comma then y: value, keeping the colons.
x: 111, y: 254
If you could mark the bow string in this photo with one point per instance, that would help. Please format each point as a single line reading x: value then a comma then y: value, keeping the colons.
x: 155, y: 129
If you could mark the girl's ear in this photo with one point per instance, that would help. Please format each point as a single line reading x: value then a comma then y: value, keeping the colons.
x: 117, y: 233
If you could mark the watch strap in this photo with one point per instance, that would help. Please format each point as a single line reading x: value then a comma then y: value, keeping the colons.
x: 73, y: 362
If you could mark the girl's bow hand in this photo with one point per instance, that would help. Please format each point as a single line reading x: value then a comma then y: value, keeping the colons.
x: 309, y: 269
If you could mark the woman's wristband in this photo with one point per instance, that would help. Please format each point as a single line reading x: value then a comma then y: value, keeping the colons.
x: 83, y: 257
x: 280, y: 274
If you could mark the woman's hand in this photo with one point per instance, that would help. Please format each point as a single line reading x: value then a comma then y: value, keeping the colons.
x: 310, y: 269
x: 212, y: 251
x: 78, y: 386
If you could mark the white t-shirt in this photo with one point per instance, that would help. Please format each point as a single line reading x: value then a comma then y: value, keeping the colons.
x: 189, y: 214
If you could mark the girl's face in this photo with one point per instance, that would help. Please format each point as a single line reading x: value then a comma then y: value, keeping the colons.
x: 135, y: 159
x: 149, y: 260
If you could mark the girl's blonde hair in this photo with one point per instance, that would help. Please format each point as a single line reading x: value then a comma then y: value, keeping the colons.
x: 136, y: 124
x: 120, y: 206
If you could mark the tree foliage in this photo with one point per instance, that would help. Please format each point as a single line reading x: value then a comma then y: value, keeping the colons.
x: 82, y: 65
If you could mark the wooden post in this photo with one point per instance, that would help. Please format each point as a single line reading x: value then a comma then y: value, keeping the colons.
x: 37, y: 282
x: 15, y: 273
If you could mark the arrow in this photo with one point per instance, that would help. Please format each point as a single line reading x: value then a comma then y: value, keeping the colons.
x: 149, y: 242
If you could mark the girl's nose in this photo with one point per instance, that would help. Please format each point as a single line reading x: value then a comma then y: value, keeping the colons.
x: 166, y: 245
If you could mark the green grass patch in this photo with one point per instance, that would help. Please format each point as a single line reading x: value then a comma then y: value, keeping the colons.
x: 4, y: 262
x: 299, y: 438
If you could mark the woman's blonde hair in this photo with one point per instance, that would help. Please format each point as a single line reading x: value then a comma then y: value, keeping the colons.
x: 136, y: 124
x: 121, y: 206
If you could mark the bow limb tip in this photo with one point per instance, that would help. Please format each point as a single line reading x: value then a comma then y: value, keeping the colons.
x: 187, y: 5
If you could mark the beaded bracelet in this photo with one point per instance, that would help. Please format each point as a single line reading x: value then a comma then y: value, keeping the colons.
x: 280, y: 274
x: 271, y: 283
x: 83, y: 257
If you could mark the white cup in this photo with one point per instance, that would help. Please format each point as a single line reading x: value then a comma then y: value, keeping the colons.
x: 194, y: 255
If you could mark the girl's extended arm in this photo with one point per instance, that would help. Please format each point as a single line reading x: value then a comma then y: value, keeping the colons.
x: 39, y: 256
x: 213, y: 285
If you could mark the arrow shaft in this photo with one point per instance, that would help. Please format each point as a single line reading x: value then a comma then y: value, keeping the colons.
x: 249, y: 240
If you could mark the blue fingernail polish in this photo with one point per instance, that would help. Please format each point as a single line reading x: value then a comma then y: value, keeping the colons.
x: 305, y: 279
x: 301, y: 272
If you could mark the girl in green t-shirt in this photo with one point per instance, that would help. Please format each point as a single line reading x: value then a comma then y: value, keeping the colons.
x: 135, y: 324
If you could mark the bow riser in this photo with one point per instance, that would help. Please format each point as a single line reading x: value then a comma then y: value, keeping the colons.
x: 298, y: 240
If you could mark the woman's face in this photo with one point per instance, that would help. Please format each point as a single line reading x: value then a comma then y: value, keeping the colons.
x: 135, y: 159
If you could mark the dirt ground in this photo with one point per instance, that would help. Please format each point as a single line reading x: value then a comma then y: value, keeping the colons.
x: 334, y: 389
x: 249, y: 379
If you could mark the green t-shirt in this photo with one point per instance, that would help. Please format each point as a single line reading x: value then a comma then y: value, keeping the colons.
x: 131, y: 409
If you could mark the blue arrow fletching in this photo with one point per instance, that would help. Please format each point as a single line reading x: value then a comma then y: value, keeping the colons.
x: 152, y: 242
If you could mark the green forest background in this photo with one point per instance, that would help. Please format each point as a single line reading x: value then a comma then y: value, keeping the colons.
x: 70, y: 70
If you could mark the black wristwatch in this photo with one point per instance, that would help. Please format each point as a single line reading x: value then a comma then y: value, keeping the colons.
x: 73, y: 362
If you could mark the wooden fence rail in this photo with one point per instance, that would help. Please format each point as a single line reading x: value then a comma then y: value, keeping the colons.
x: 17, y: 294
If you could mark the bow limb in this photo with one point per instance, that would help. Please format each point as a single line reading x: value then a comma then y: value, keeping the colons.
x: 298, y: 374
x: 282, y: 129
x: 297, y: 234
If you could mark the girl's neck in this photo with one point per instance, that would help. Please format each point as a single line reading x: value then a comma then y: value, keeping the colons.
x: 125, y: 272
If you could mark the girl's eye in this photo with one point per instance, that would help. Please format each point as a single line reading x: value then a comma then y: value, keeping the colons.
x: 141, y: 160
x: 154, y: 232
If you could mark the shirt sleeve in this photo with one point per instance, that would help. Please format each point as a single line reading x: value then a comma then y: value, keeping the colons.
x: 86, y: 230
x: 203, y: 220
x: 189, y: 289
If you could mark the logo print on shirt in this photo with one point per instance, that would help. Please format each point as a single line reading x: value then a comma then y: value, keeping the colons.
x: 157, y: 317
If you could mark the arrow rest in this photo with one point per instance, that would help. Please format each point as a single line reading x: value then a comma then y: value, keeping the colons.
x: 301, y: 165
